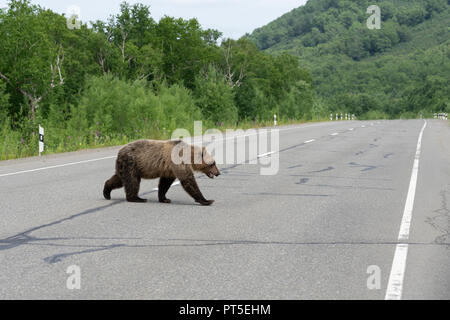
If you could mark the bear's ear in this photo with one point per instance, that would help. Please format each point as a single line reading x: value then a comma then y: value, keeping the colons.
x: 203, y: 152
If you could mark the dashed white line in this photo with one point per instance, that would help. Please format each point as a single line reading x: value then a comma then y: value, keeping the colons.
x: 334, y: 134
x: 266, y: 154
x: 395, y: 286
x: 112, y: 157
x: 176, y: 183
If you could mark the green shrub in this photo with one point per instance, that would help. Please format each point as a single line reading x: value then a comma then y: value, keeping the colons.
x: 110, y: 107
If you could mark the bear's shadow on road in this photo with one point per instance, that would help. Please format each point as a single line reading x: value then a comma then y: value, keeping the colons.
x: 25, y: 237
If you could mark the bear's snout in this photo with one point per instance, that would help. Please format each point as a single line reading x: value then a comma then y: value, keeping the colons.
x: 213, y: 172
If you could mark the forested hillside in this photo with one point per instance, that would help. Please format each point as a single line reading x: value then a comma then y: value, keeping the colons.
x: 402, y: 69
x: 109, y: 82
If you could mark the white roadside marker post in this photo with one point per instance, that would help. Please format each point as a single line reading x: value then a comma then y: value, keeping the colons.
x: 275, y: 120
x: 41, y: 140
x: 337, y: 117
x: 331, y: 117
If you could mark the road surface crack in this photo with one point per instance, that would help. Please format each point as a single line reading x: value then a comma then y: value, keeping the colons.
x: 441, y: 222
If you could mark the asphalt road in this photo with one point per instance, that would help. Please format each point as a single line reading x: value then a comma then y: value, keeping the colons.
x: 313, y: 231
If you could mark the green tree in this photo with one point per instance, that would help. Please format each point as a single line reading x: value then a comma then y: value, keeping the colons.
x: 215, y: 97
x: 129, y: 47
x: 4, y: 104
x: 32, y: 53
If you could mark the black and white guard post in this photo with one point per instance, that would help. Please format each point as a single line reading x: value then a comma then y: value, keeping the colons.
x: 275, y: 120
x: 41, y: 140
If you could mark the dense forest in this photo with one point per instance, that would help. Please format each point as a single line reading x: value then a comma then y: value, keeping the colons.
x: 109, y: 82
x: 132, y: 77
x: 399, y: 70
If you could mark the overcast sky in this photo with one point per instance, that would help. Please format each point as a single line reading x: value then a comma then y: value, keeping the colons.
x: 232, y: 17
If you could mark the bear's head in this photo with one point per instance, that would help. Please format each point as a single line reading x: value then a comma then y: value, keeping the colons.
x: 208, y: 165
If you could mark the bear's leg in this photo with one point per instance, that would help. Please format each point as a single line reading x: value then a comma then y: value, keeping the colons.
x: 131, y: 182
x: 191, y: 187
x: 111, y: 184
x: 128, y: 172
x: 164, y: 185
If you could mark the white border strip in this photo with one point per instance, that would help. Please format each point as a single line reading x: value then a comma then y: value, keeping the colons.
x: 395, y: 286
x: 57, y: 166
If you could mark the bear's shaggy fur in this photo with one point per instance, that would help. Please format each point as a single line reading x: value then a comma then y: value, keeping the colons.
x: 151, y: 159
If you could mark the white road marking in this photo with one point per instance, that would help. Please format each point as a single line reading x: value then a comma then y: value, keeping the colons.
x: 266, y: 154
x: 351, y: 129
x: 363, y: 126
x: 176, y: 183
x: 56, y: 166
x: 112, y: 157
x: 395, y: 285
x: 310, y: 141
x: 257, y: 133
x: 334, y: 134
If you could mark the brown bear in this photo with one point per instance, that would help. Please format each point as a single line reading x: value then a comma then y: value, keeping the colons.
x: 151, y: 159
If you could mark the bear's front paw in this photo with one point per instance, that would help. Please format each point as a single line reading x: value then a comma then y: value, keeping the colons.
x: 206, y: 202
x: 107, y: 193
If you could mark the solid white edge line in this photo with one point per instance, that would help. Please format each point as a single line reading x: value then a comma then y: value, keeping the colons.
x: 56, y: 166
x: 395, y: 285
